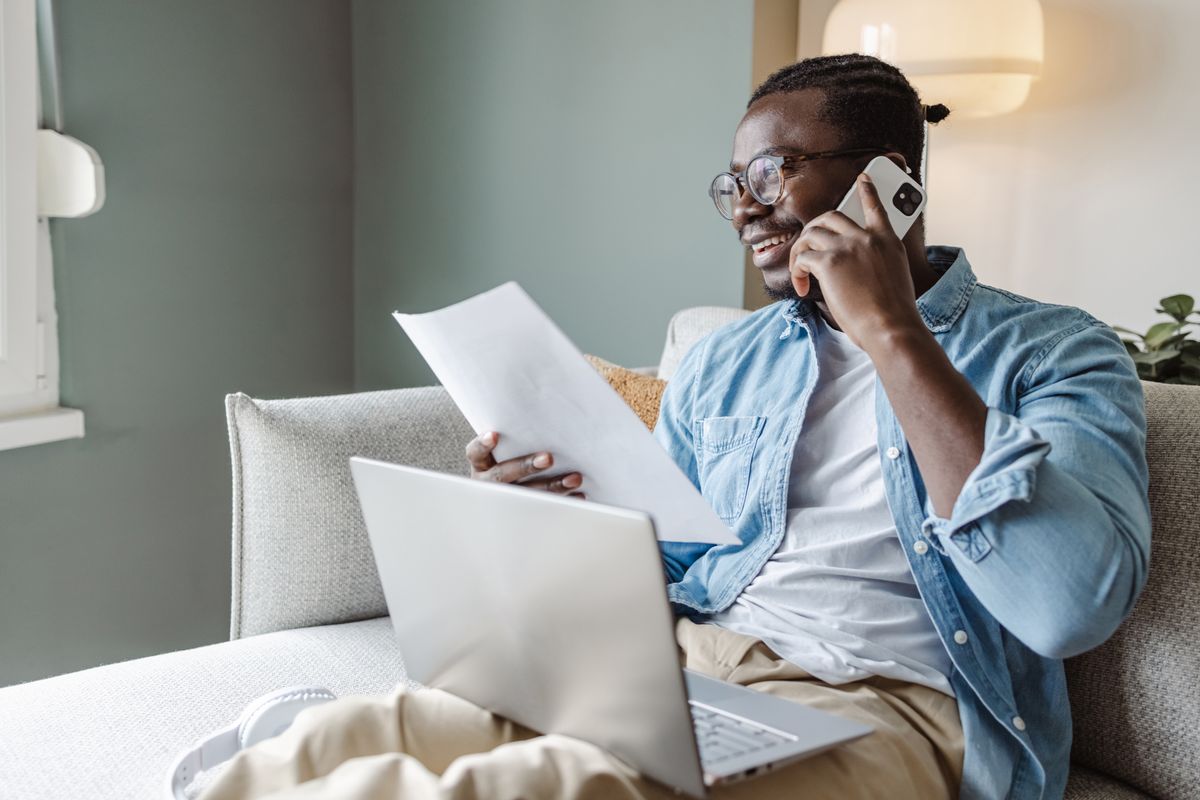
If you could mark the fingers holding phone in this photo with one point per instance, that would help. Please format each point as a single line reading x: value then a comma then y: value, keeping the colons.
x: 858, y: 256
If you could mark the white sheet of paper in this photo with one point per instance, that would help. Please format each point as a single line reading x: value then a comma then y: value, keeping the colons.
x: 511, y: 369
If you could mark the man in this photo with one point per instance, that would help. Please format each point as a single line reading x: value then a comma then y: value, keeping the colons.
x: 939, y: 488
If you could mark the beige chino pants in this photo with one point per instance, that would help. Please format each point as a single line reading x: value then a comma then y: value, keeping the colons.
x: 431, y: 744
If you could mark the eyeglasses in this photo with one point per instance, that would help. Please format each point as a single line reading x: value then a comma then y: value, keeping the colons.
x: 764, y: 178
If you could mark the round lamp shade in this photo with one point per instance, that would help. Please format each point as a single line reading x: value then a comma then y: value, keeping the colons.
x: 978, y: 57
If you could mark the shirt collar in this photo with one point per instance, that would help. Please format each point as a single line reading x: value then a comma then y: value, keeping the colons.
x: 940, y: 306
x: 945, y: 301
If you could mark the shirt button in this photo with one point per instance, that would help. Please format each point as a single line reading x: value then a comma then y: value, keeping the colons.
x: 1018, y: 723
x: 892, y: 453
x: 960, y: 637
x: 920, y: 547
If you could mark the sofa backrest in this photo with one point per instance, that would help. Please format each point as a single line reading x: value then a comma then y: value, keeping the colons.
x: 688, y: 327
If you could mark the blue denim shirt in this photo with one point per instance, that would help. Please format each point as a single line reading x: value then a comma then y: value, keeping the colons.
x: 1046, y: 548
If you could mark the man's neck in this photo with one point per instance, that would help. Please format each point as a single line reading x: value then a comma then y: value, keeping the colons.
x: 923, y: 275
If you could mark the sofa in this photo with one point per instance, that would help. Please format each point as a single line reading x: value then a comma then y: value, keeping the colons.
x: 307, y: 608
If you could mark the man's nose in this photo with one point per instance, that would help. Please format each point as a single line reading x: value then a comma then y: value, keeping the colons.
x: 746, y: 208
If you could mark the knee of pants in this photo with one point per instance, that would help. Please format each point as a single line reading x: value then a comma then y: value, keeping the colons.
x: 546, y: 766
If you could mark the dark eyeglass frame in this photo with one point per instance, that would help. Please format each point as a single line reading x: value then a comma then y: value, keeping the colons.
x: 739, y: 178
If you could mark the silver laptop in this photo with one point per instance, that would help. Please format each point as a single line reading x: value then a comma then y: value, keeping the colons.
x: 552, y: 612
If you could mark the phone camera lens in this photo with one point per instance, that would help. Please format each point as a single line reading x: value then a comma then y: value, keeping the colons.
x: 907, y: 198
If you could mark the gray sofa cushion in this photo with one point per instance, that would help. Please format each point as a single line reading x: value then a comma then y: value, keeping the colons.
x: 112, y: 732
x: 300, y: 550
x: 1136, y: 699
x: 1087, y: 785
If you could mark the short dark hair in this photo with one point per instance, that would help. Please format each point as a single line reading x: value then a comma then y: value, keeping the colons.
x: 869, y: 100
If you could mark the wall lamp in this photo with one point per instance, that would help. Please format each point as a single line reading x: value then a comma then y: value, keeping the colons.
x: 978, y: 57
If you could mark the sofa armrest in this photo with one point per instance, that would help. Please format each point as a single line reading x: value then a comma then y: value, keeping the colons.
x: 112, y: 732
x: 300, y: 551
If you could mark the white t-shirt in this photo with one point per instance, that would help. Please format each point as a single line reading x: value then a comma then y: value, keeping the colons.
x: 838, y: 598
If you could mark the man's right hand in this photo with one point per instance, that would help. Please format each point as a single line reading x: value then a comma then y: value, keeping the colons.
x: 520, y: 470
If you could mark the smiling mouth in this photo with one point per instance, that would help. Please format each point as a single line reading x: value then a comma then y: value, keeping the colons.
x: 766, y: 251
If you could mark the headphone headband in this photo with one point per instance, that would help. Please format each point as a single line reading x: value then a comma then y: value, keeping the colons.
x: 268, y: 716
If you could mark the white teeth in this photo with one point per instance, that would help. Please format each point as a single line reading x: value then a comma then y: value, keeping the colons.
x: 765, y: 243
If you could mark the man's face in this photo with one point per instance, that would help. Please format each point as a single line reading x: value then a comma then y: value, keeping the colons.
x: 788, y: 124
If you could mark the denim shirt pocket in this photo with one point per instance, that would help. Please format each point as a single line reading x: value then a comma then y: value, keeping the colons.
x: 725, y: 448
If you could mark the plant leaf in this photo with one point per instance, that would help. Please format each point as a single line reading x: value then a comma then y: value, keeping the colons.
x: 1131, y: 347
x: 1178, y: 305
x: 1154, y: 357
x: 1119, y: 329
x: 1190, y: 347
x: 1159, y: 333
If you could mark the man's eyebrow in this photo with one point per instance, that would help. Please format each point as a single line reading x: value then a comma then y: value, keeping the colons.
x: 780, y: 150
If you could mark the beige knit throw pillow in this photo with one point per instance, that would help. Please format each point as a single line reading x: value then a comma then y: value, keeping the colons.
x: 641, y: 392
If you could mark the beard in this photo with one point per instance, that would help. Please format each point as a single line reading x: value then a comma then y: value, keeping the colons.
x: 788, y: 292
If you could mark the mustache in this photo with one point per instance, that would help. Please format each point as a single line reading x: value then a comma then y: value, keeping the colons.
x: 747, y: 233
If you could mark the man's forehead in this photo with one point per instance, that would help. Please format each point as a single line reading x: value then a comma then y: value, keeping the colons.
x: 780, y: 124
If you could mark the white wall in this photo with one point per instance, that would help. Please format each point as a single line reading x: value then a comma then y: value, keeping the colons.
x: 1082, y: 195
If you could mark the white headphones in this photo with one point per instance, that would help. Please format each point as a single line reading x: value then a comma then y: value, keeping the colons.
x: 268, y: 716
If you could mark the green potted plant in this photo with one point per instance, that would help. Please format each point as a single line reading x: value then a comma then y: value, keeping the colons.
x: 1166, y: 353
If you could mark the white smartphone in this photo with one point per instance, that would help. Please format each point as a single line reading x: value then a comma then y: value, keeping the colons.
x: 902, y: 197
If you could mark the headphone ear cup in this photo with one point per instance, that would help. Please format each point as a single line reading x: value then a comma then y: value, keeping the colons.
x: 272, y: 714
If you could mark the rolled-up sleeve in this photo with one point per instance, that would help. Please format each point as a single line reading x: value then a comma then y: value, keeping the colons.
x: 1051, y: 530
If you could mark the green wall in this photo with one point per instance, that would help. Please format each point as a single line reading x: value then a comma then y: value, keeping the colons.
x: 566, y: 145
x: 221, y: 262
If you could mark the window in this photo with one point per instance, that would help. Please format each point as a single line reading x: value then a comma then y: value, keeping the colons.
x: 29, y: 412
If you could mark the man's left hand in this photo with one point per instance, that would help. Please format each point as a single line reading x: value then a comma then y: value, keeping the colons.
x: 863, y: 272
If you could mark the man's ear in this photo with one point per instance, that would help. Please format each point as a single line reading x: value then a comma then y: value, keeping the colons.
x: 899, y: 160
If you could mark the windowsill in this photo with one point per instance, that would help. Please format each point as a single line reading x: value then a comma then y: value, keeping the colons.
x: 40, y: 427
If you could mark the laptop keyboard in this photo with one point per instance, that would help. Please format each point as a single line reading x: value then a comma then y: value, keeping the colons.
x: 722, y: 736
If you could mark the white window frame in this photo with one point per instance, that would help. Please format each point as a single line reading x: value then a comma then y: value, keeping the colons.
x: 29, y: 410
